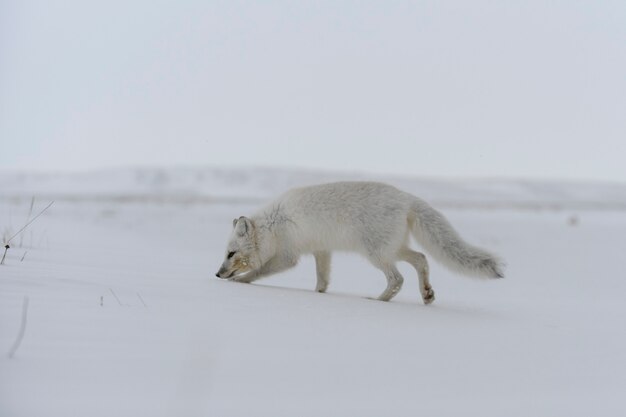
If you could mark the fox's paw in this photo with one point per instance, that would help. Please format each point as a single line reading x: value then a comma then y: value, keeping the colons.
x: 428, y: 295
x: 321, y: 285
x: 244, y: 278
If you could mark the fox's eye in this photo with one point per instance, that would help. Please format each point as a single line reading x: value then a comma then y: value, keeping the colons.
x: 230, y: 255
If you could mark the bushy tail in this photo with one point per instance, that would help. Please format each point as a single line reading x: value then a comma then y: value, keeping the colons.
x: 440, y: 240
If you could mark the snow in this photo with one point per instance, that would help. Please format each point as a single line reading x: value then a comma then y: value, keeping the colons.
x: 549, y: 340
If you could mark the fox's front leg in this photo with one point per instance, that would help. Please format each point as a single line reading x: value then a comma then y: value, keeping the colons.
x: 322, y: 266
x: 273, y: 266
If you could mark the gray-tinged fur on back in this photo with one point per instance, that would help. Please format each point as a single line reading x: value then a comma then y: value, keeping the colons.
x: 432, y: 230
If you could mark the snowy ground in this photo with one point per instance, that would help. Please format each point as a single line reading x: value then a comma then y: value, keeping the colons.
x: 549, y: 340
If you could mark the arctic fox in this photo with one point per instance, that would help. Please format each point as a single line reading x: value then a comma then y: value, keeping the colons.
x: 370, y: 218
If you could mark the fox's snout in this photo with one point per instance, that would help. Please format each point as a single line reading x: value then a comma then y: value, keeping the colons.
x: 220, y: 273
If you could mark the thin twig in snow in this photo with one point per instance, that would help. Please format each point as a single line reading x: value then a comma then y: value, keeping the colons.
x: 6, y: 244
x: 20, y: 335
x: 30, y: 213
x: 27, y: 224
x: 115, y: 295
x: 141, y: 298
x: 6, y: 248
x: 23, y: 256
x: 32, y: 204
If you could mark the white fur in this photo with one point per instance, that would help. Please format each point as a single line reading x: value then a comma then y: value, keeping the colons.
x: 370, y: 218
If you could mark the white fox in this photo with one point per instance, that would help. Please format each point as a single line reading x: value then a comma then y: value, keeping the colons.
x: 370, y: 218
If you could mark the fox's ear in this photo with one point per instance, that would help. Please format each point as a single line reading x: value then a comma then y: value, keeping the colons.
x: 235, y: 222
x: 243, y: 226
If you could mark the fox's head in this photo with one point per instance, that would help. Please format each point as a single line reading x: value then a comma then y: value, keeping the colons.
x: 241, y: 252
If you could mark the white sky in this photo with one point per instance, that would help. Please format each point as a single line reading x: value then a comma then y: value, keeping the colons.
x: 483, y: 88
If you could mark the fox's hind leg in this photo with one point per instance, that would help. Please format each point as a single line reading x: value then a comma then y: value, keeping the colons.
x: 322, y: 265
x: 394, y: 282
x: 419, y: 262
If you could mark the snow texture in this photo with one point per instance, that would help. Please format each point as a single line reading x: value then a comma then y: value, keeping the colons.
x: 126, y: 317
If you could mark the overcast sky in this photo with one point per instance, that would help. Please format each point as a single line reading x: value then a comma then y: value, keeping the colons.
x: 431, y: 88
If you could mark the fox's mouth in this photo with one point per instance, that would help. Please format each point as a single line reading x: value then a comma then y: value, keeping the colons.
x: 229, y: 276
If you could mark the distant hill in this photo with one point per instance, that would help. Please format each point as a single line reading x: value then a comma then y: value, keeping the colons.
x: 198, y: 185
